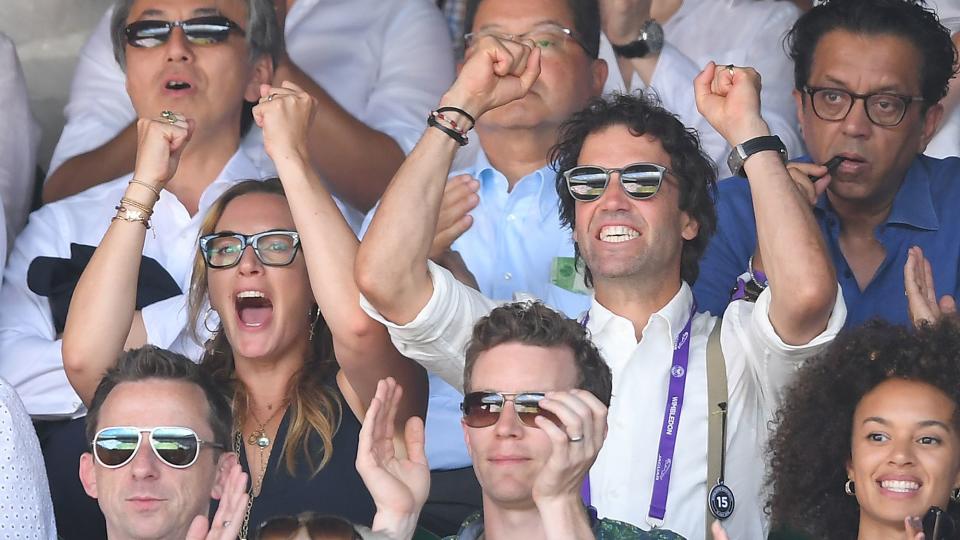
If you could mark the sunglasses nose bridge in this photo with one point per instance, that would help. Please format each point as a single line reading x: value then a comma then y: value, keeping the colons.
x: 177, y: 45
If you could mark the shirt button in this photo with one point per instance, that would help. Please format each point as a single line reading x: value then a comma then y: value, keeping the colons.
x: 508, y: 276
x: 512, y: 217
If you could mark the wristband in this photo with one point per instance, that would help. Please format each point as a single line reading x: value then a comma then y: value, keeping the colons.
x: 456, y: 136
x: 460, y: 111
x: 154, y: 189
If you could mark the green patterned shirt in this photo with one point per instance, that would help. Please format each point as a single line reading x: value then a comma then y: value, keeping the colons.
x: 603, y: 529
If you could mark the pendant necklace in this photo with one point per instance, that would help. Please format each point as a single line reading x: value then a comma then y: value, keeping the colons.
x: 259, y: 436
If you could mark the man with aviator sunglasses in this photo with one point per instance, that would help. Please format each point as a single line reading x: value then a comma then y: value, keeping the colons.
x: 640, y: 215
x: 159, y: 431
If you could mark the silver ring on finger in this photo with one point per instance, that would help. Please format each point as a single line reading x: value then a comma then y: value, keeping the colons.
x: 271, y: 96
x: 578, y: 438
x: 169, y: 116
x: 730, y: 69
x: 226, y: 523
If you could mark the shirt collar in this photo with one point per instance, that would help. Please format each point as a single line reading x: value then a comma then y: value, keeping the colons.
x: 494, y: 184
x: 238, y: 168
x: 913, y: 203
x: 675, y: 314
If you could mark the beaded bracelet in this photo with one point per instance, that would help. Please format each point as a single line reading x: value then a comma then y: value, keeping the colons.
x: 455, y: 135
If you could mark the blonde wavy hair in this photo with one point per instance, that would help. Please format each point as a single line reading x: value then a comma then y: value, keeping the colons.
x: 314, y: 404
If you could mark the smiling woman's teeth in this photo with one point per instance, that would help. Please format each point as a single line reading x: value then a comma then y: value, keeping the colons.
x: 617, y: 233
x: 900, y: 486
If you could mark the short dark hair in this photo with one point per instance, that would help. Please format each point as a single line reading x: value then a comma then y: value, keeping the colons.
x: 532, y: 323
x: 811, y: 444
x: 907, y: 19
x: 586, y: 22
x: 151, y: 362
x: 643, y: 115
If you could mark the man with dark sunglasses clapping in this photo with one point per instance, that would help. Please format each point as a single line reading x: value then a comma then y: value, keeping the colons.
x: 159, y: 431
x: 634, y: 186
x: 534, y: 419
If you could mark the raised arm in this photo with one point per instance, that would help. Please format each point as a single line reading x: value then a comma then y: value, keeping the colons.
x: 392, y: 263
x: 802, y: 279
x: 362, y: 345
x: 101, y: 317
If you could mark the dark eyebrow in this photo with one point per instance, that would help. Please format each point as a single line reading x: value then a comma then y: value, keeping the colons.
x: 206, y: 11
x: 888, y: 89
x: 924, y: 423
x: 199, y: 12
x: 534, y: 25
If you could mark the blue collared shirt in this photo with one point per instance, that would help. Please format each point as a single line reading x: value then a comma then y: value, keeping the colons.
x: 510, y: 249
x: 924, y: 213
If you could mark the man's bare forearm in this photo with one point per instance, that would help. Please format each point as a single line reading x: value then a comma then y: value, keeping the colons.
x: 112, y: 160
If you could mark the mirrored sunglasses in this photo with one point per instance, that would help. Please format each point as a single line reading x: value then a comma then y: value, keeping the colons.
x: 482, y: 409
x: 199, y: 31
x: 639, y: 180
x: 273, y: 248
x: 178, y: 447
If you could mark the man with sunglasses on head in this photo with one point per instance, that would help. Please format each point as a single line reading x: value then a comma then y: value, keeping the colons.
x: 634, y: 189
x: 159, y: 433
x: 870, y: 76
x: 534, y: 418
x: 374, y: 66
x: 225, y: 68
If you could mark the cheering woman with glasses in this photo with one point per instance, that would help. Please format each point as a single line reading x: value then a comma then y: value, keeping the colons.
x: 288, y: 339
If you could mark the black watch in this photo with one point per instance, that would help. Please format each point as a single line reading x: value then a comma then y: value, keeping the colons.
x: 649, y: 42
x: 742, y: 151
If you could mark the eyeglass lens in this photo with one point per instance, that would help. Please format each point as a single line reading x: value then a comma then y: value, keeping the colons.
x: 835, y: 104
x: 272, y: 248
x: 640, y: 181
x: 115, y: 447
x: 482, y: 409
x: 199, y: 31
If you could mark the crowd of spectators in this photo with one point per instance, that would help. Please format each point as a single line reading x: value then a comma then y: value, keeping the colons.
x: 547, y: 269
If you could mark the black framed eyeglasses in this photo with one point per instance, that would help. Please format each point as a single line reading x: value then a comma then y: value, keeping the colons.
x: 639, y: 180
x: 178, y: 447
x: 548, y: 37
x: 273, y: 248
x: 482, y: 409
x: 199, y: 31
x: 883, y: 108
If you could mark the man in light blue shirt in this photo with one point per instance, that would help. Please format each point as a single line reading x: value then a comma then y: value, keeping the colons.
x: 515, y: 242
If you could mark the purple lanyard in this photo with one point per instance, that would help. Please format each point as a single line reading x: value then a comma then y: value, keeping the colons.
x: 671, y: 423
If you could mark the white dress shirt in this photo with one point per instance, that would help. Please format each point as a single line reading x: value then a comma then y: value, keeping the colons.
x: 29, y: 347
x: 741, y: 32
x: 386, y: 62
x: 759, y: 364
x: 18, y: 144
x: 26, y: 510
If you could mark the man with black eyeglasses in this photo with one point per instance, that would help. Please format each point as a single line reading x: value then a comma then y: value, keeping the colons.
x: 870, y: 75
x: 159, y: 431
x: 634, y: 187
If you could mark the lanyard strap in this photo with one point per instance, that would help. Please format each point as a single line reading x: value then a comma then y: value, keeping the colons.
x: 671, y: 423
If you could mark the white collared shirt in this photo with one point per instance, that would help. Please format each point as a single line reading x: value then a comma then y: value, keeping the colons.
x: 758, y: 366
x: 18, y: 146
x: 744, y: 33
x: 30, y: 357
x: 386, y: 62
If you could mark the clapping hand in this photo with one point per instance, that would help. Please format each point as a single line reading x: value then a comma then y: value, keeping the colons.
x: 398, y: 484
x: 575, y: 444
x: 230, y: 513
x: 922, y: 304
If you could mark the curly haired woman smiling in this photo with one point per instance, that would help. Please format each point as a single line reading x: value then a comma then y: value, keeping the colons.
x: 869, y: 435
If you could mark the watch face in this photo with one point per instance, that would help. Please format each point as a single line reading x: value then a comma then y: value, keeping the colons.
x: 653, y: 35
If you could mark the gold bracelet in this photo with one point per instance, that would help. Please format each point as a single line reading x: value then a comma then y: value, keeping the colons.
x: 154, y: 189
x: 132, y: 215
x: 130, y: 202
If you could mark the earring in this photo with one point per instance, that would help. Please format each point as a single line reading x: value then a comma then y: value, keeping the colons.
x: 955, y: 495
x: 313, y: 318
x: 849, y: 488
x: 206, y: 321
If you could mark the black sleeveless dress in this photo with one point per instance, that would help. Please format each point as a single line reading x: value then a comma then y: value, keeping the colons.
x: 336, y: 490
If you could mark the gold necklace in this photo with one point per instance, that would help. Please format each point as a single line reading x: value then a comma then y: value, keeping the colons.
x: 259, y: 437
